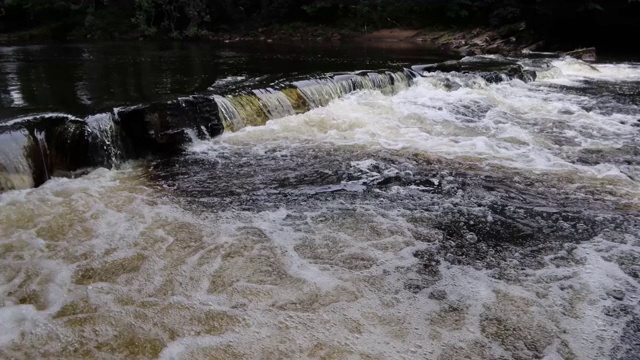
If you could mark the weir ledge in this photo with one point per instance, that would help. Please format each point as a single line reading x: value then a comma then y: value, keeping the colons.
x: 35, y: 148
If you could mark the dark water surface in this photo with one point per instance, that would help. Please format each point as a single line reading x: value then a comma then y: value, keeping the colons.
x: 82, y: 79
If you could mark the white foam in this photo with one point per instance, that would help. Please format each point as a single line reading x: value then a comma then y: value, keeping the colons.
x: 330, y: 282
x: 14, y: 320
x: 608, y: 72
x: 512, y: 124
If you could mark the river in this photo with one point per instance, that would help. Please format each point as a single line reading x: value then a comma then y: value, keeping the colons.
x: 441, y: 217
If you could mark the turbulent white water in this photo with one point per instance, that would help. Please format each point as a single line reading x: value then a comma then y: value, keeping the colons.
x: 456, y: 219
x: 529, y: 126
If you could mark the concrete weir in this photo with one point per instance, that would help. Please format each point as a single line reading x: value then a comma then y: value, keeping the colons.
x: 33, y: 149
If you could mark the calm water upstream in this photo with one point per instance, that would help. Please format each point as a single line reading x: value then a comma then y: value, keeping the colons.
x: 83, y: 79
x: 444, y: 217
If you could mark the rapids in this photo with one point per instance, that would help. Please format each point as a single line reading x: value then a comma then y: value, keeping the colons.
x: 376, y: 215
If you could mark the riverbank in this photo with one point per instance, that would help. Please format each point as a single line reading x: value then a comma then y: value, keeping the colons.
x: 506, y: 40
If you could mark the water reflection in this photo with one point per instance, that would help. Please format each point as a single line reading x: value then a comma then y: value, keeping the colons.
x: 82, y: 79
x: 12, y: 97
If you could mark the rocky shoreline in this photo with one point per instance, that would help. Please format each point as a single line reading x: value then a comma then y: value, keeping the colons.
x: 511, y: 40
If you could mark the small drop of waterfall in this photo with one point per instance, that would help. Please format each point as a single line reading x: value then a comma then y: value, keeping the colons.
x: 108, y: 137
x: 16, y: 166
x: 259, y: 106
x: 34, y: 149
x: 274, y: 103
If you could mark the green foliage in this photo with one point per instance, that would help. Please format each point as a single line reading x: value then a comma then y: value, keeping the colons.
x: 144, y: 16
x: 195, y: 18
x: 24, y: 14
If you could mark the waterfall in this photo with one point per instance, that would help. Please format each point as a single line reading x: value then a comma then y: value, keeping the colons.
x: 16, y: 167
x: 108, y: 135
x: 274, y: 103
x: 36, y: 148
x: 33, y: 149
x: 259, y: 106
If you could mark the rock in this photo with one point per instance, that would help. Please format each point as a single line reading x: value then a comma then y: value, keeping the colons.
x: 616, y: 294
x: 34, y: 149
x: 587, y: 54
x: 168, y: 126
x: 465, y: 51
x: 494, y: 49
x: 539, y: 55
x: 533, y: 47
x: 17, y: 160
x: 82, y: 144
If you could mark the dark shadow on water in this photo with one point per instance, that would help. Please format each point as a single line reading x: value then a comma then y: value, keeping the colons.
x: 82, y: 79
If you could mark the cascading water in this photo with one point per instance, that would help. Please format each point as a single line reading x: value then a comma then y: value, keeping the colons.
x: 107, y: 139
x: 256, y: 108
x: 468, y: 210
x: 36, y: 148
